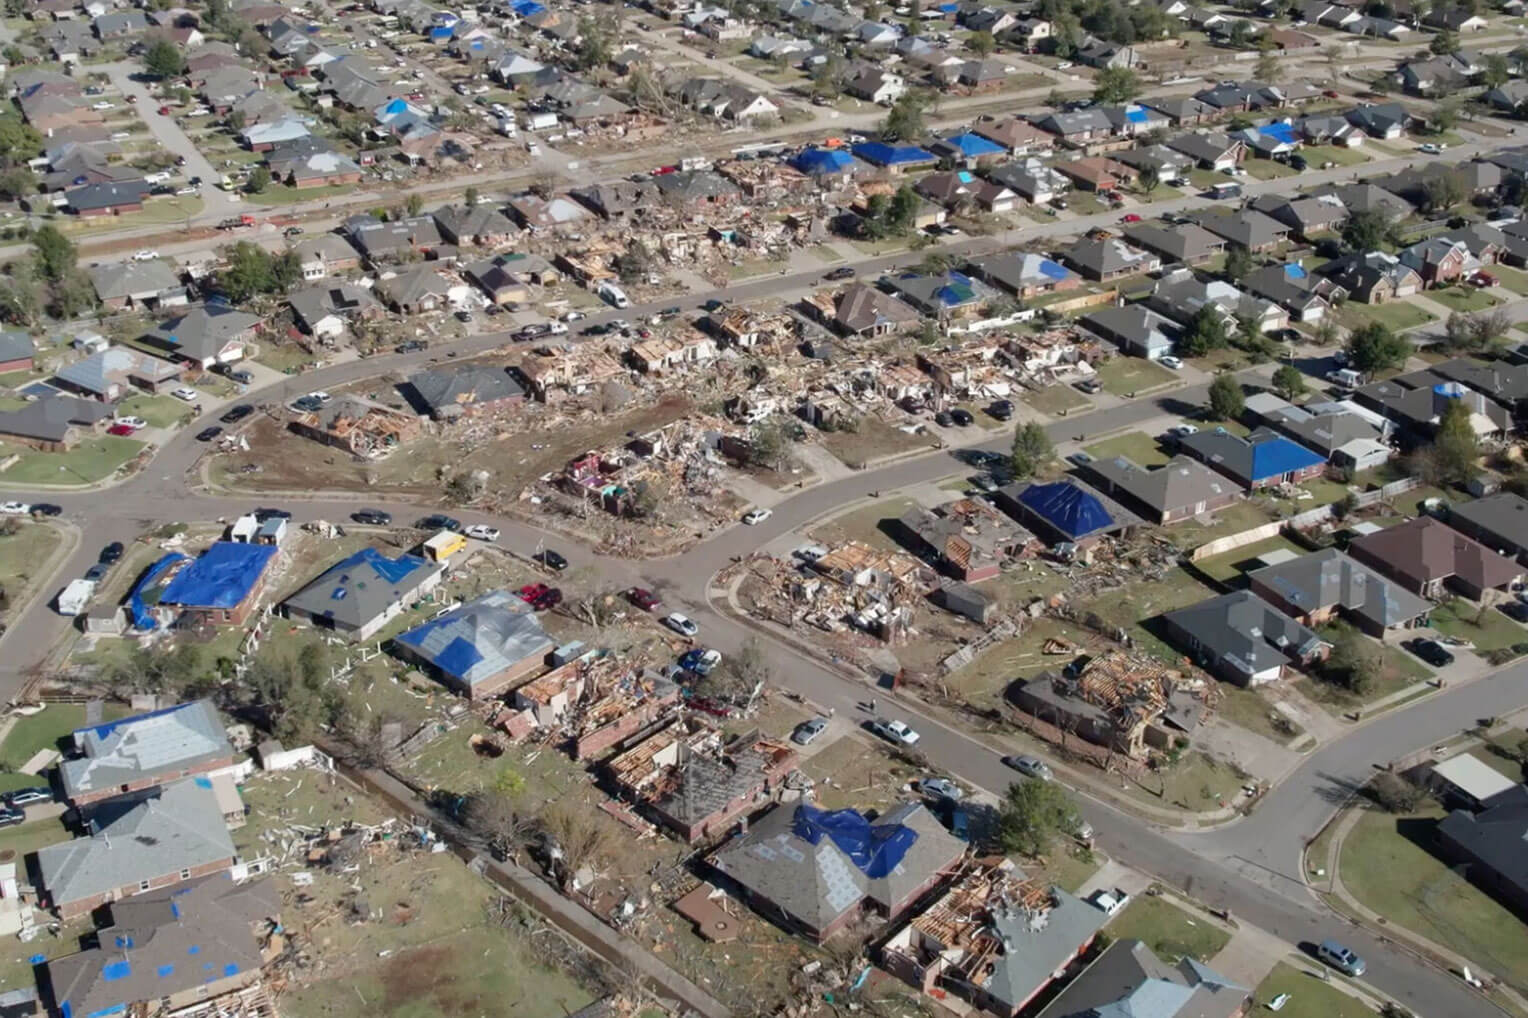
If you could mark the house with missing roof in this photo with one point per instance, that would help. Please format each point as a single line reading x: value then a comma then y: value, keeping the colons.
x: 175, y: 835
x: 132, y: 755
x: 965, y: 538
x: 163, y: 951
x: 814, y: 871
x: 482, y: 647
x: 1243, y: 639
x: 1126, y: 703
x: 1129, y: 981
x: 1426, y: 556
x: 1178, y: 490
x: 360, y: 594
x: 995, y: 938
x: 1263, y: 459
x: 454, y: 393
x: 1328, y: 584
x: 222, y: 586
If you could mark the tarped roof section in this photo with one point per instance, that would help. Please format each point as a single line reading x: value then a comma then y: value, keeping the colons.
x: 142, y: 617
x: 876, y: 850
x: 1067, y: 507
x: 221, y: 578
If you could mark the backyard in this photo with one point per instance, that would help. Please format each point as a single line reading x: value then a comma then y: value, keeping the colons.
x: 30, y: 734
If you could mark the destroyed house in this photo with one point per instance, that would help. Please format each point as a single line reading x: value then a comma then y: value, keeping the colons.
x: 362, y: 593
x: 996, y: 938
x: 694, y: 784
x: 482, y: 647
x: 1243, y: 639
x: 967, y: 540
x: 814, y: 871
x: 1125, y: 703
x: 853, y: 564
x: 166, y: 951
x: 360, y: 426
x: 550, y: 698
x: 137, y: 753
x: 620, y: 710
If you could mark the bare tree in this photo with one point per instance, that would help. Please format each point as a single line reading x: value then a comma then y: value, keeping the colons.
x: 578, y: 839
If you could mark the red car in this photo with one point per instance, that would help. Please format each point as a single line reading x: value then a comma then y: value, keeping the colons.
x: 1331, y: 93
x: 664, y: 171
x: 531, y: 591
x: 121, y: 429
x: 547, y: 600
x: 1131, y: 218
x: 644, y: 599
x: 1483, y: 279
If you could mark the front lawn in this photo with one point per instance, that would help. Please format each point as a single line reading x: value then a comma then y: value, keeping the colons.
x: 1488, y: 629
x: 1170, y: 932
x: 1268, y: 169
x: 1463, y: 299
x: 1058, y: 400
x: 1512, y: 279
x: 1315, y: 155
x: 1398, y: 669
x: 1309, y: 996
x: 1127, y: 376
x: 1398, y: 315
x: 93, y: 460
x: 1133, y: 445
x: 159, y: 411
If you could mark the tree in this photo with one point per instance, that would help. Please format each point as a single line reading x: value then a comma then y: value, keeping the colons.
x: 904, y: 121
x: 1351, y: 663
x: 470, y: 196
x: 1115, y: 85
x: 1227, y: 401
x: 1394, y: 793
x: 828, y: 76
x: 414, y: 204
x: 1032, y: 449
x: 577, y: 837
x: 1497, y: 71
x: 164, y: 59
x: 1288, y: 381
x: 915, y: 16
x: 1268, y: 68
x: 1444, y: 43
x: 1335, y: 58
x: 1367, y: 230
x: 17, y: 182
x: 769, y: 445
x: 1239, y: 35
x: 54, y: 252
x: 633, y: 264
x: 1519, y: 58
x: 250, y: 269
x: 1206, y: 332
x: 18, y: 141
x: 981, y: 43
x: 1451, y: 458
x: 1444, y: 116
x: 259, y: 180
x: 235, y: 120
x: 1442, y: 192
x: 1033, y: 813
x: 21, y: 295
x: 1373, y: 348
x: 1149, y: 179
x: 740, y: 676
x: 596, y: 39
x: 1238, y: 263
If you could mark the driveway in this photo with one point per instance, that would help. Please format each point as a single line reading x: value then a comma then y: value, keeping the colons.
x: 169, y: 135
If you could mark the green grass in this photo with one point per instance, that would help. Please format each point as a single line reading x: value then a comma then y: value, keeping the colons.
x: 825, y: 254
x: 1144, y: 600
x: 1058, y: 400
x: 30, y: 735
x: 288, y: 358
x: 159, y: 411
x: 1512, y: 279
x: 1398, y: 315
x: 1233, y: 563
x: 1133, y: 445
x: 93, y: 460
x: 1487, y: 630
x: 1397, y: 670
x: 1315, y: 155
x: 22, y: 555
x: 23, y: 840
x: 1126, y: 376
x: 1267, y: 169
x: 864, y: 524
x: 1463, y: 299
x: 280, y: 194
x: 1309, y: 997
x: 1247, y: 708
x: 1386, y: 864
x: 1168, y: 930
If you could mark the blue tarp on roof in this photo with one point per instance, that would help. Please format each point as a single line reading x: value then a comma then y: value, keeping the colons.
x: 822, y: 160
x: 142, y: 619
x: 525, y: 8
x: 876, y: 850
x: 440, y: 32
x: 395, y: 107
x: 1279, y: 131
x: 974, y: 145
x: 1294, y: 270
x: 1279, y: 456
x: 1067, y: 507
x: 1052, y: 270
x: 1136, y: 114
x: 222, y: 577
x: 882, y: 154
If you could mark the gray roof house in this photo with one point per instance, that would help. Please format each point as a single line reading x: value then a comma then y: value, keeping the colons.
x: 208, y: 335
x: 1323, y: 585
x: 1490, y: 844
x: 1499, y: 521
x: 362, y: 593
x: 1344, y: 436
x: 813, y: 871
x: 1305, y: 216
x: 1109, y: 258
x: 1135, y: 329
x: 453, y: 393
x: 109, y: 374
x: 1242, y: 638
x: 139, y: 752
x: 1128, y: 981
x: 482, y: 646
x: 477, y: 225
x: 1182, y: 295
x: 1178, y: 490
x: 52, y: 422
x: 1306, y: 296
x: 325, y: 310
x: 174, y: 836
x: 136, y: 284
x: 1213, y: 151
x: 1246, y: 228
x: 1188, y: 244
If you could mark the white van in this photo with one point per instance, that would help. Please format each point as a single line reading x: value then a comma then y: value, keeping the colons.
x: 613, y: 295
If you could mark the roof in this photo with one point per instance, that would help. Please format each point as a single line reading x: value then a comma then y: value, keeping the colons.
x: 480, y: 639
x: 164, y: 742
x: 51, y: 418
x: 1019, y: 270
x: 1180, y: 483
x: 204, y: 332
x: 109, y: 194
x: 357, y: 589
x: 1262, y: 456
x: 816, y: 865
x: 1034, y: 951
x: 1128, y: 981
x: 1188, y: 242
x: 860, y: 307
x: 883, y: 154
x: 116, y: 280
x: 1329, y: 578
x: 971, y: 146
x: 1427, y: 549
x: 180, y: 828
x: 1106, y: 256
x: 221, y: 577
x: 1493, y: 838
x: 167, y: 942
x: 1473, y: 776
x: 1501, y: 518
x: 469, y: 385
x: 1069, y: 507
x: 1247, y: 227
x: 823, y: 161
x: 1243, y: 633
x: 114, y: 365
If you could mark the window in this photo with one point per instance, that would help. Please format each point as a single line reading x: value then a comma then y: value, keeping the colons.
x: 185, y: 874
x: 143, y: 885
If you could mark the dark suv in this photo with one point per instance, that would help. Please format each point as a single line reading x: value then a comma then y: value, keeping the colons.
x: 375, y: 517
x: 440, y: 521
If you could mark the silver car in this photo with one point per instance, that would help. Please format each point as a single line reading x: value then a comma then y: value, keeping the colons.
x: 805, y: 732
x: 1030, y: 766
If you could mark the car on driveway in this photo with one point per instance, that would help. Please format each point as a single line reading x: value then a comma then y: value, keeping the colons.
x: 681, y: 624
x: 644, y: 598
x: 1001, y: 410
x: 1029, y: 766
x: 133, y: 422
x: 208, y: 434
x: 1169, y: 361
x: 804, y: 733
x: 373, y: 517
x: 440, y: 521
x: 1182, y: 430
x: 264, y: 513
x: 531, y: 591
x: 120, y: 430
x: 14, y: 509
x: 1091, y: 386
x: 187, y: 394
x: 895, y: 731
x: 753, y: 517
x: 1515, y: 610
x: 1431, y: 651
x: 941, y: 788
x: 483, y: 532
x: 547, y: 600
x: 943, y: 419
x: 552, y: 560
x: 28, y: 796
x: 701, y: 661
x: 237, y: 413
x: 97, y: 572
x: 962, y: 417
x: 1430, y: 149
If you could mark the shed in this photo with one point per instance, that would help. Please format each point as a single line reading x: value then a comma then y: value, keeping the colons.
x: 1469, y: 780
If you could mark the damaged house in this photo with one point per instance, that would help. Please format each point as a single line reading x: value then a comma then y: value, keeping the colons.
x: 359, y: 426
x: 968, y: 539
x: 1130, y: 705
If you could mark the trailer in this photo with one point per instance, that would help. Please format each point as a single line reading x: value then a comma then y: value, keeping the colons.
x: 74, y: 598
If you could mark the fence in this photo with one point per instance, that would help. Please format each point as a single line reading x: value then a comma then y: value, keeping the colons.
x: 1301, y: 521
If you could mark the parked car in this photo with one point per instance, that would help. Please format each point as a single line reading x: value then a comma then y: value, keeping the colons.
x: 943, y: 419
x: 644, y: 599
x: 1169, y: 361
x: 701, y: 661
x: 14, y: 509
x: 145, y: 255
x: 111, y: 553
x: 268, y: 513
x: 120, y: 430
x: 46, y: 509
x: 236, y: 414
x: 97, y: 572
x: 962, y: 417
x: 681, y: 624
x: 187, y: 394
x: 753, y: 517
x: 810, y: 552
x: 548, y: 599
x: 440, y: 521
x: 1029, y: 766
x: 941, y: 788
x: 373, y: 517
x: 895, y: 731
x: 1515, y: 610
x: 804, y: 733
x: 1431, y: 651
x: 133, y: 422
x: 1002, y: 410
x: 1130, y: 217
x: 208, y: 434
x: 411, y: 345
x: 1110, y: 902
x: 552, y: 560
x: 28, y: 796
x: 1341, y: 958
x: 842, y: 272
x: 1091, y: 386
x: 1430, y: 148
x: 291, y: 231
x: 483, y: 532
x: 531, y: 591
x: 1182, y: 430
x: 11, y: 817
x: 464, y: 316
